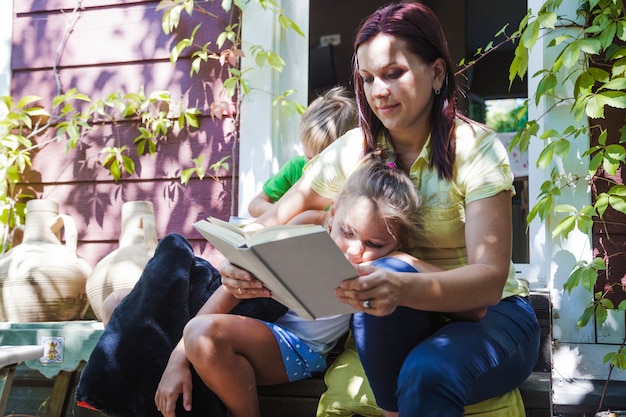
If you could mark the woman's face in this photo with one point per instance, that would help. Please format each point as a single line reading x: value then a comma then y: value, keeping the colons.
x: 398, y: 84
x: 360, y: 231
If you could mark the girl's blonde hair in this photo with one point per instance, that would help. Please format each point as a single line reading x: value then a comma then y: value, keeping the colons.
x: 392, y: 192
x: 328, y: 117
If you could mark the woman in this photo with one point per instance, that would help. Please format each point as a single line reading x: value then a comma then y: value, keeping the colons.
x: 418, y: 358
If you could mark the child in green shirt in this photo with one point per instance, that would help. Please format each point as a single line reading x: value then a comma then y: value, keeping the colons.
x: 329, y: 116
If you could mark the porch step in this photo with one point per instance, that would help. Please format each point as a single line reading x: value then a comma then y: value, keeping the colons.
x: 299, y: 399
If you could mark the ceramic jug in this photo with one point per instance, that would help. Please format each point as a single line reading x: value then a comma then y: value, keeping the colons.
x: 122, y: 268
x: 42, y: 278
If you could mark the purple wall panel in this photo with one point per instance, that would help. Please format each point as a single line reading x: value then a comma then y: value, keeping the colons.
x: 31, y: 6
x: 54, y: 164
x: 96, y: 207
x: 99, y: 82
x: 118, y: 45
x: 101, y: 36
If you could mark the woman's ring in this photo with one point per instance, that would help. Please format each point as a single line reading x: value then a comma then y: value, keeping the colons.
x: 367, y: 304
x: 239, y: 290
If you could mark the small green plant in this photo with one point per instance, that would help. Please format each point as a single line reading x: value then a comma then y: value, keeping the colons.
x: 27, y: 126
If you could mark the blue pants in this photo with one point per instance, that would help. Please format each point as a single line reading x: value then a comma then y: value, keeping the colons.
x: 423, y: 366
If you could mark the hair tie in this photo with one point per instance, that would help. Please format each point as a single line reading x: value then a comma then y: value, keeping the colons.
x: 392, y: 165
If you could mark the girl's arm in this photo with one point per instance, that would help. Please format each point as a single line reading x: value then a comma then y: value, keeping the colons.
x: 296, y: 200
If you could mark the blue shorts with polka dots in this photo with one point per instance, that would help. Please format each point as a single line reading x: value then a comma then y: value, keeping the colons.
x: 300, y: 360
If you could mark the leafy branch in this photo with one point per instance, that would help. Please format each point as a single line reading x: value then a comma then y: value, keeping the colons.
x: 595, y: 40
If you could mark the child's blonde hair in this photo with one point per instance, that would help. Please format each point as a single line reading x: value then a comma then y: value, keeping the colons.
x: 392, y: 192
x: 328, y: 117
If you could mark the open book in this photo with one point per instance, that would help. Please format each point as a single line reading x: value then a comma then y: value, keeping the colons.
x: 300, y: 265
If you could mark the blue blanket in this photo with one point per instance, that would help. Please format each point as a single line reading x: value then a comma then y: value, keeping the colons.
x: 124, y: 369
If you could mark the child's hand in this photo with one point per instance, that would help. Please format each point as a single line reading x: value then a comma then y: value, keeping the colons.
x: 242, y: 284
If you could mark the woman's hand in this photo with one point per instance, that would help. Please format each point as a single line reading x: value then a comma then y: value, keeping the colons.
x: 241, y: 283
x: 376, y: 291
x: 176, y: 380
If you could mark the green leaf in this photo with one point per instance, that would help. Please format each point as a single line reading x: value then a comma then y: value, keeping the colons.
x: 618, y: 190
x: 619, y: 67
x: 547, y: 20
x: 185, y: 175
x: 584, y: 319
x: 590, y: 46
x: 129, y: 164
x: 607, y: 36
x: 115, y: 170
x: 615, y: 84
x: 601, y: 314
x: 618, y: 204
x: 26, y: 100
x: 260, y: 59
x: 564, y: 227
x: 221, y: 39
x: 530, y: 35
x: 191, y: 119
x: 570, y: 55
x: 546, y: 155
x: 541, y: 208
x: 519, y: 65
x: 602, y: 203
x: 275, y: 61
x: 594, y: 108
x: 284, y: 21
x: 546, y: 85
x: 598, y: 74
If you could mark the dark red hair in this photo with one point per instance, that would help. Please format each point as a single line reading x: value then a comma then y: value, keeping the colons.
x: 420, y: 28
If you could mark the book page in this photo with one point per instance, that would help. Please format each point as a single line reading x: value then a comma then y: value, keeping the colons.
x: 231, y: 235
x: 269, y: 233
x: 280, y: 232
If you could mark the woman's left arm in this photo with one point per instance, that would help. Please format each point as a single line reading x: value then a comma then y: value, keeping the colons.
x: 476, y: 285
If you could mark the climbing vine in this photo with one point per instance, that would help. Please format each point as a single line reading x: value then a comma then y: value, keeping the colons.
x: 26, y: 125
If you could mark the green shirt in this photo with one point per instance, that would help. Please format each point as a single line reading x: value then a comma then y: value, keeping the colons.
x: 275, y: 187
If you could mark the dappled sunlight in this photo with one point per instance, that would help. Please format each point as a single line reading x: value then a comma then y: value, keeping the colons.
x: 567, y: 372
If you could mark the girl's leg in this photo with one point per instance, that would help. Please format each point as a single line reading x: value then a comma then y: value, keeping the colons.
x: 468, y: 362
x: 232, y: 354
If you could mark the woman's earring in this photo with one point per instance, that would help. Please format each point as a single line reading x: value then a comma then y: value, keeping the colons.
x: 437, y: 91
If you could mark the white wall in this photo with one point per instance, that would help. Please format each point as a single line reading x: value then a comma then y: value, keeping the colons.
x: 268, y: 138
x: 6, y: 29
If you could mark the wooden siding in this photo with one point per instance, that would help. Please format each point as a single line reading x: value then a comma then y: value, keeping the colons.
x: 609, y: 236
x: 116, y: 45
